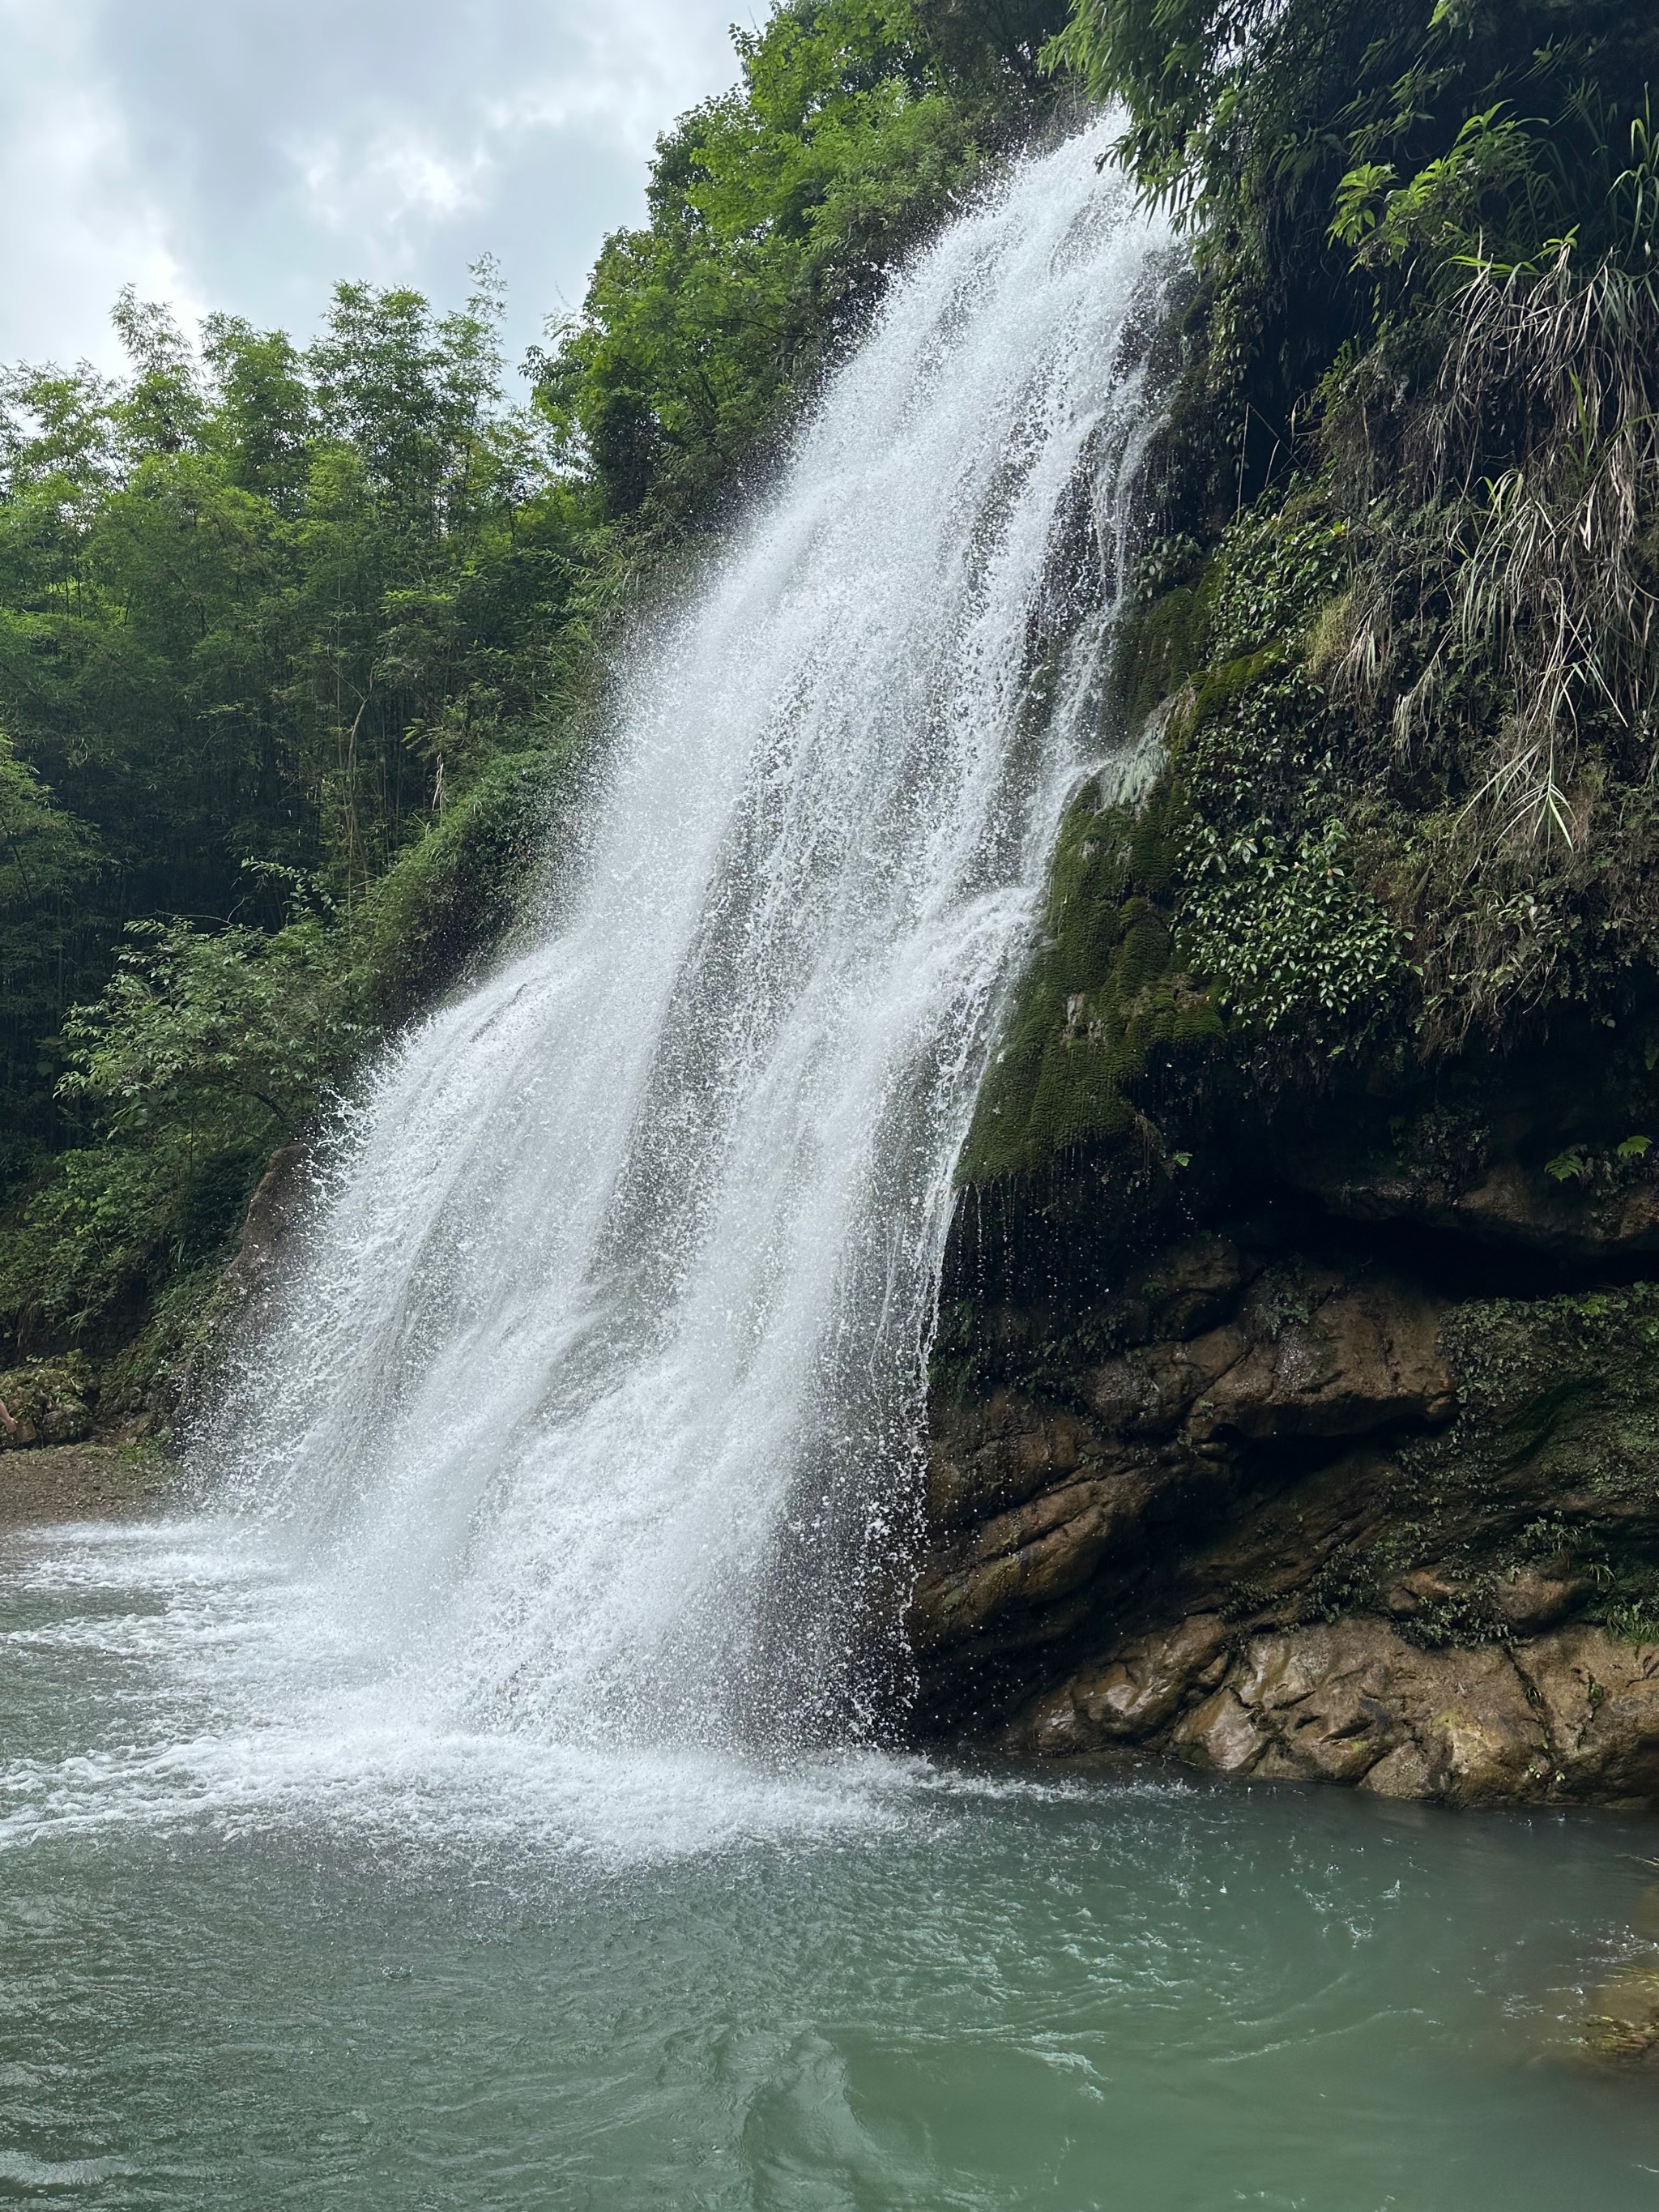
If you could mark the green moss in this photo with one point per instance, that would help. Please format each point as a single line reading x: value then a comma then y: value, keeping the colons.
x: 1218, y: 689
x: 452, y: 896
x: 1162, y: 645
x: 1232, y: 892
x: 1101, y: 998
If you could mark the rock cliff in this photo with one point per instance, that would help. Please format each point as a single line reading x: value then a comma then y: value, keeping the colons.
x: 1311, y: 1496
x: 1296, y: 1396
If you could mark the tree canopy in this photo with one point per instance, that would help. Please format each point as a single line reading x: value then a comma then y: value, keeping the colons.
x: 294, y: 638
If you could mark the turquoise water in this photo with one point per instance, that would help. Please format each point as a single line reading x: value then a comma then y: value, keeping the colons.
x: 241, y: 1965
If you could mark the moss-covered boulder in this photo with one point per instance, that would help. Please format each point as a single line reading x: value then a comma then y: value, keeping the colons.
x: 47, y: 1401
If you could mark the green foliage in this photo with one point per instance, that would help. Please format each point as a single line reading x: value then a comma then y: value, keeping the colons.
x: 1570, y: 1166
x: 777, y: 211
x: 1276, y: 572
x: 48, y: 862
x: 1270, y: 913
x: 1591, y: 1167
x: 1281, y: 128
x: 1439, y: 234
x: 262, y: 605
x: 272, y: 620
x: 296, y: 642
x: 1511, y: 195
x: 50, y: 1402
x: 207, y: 1050
x: 1103, y: 1000
x: 202, y: 1054
x: 1281, y: 932
x: 1438, y: 223
x: 231, y: 1030
x: 1430, y: 328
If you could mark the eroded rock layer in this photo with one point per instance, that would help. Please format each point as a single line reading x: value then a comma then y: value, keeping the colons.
x: 1296, y: 1502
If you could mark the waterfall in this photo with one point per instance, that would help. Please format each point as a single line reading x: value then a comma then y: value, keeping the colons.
x: 592, y: 1414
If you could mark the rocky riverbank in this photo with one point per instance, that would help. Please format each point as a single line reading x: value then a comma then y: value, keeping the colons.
x: 81, y: 1482
x: 72, y: 1448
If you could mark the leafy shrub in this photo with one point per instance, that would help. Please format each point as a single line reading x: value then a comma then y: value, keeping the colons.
x: 209, y: 1049
x: 1282, y: 933
x: 1439, y: 230
x: 777, y: 212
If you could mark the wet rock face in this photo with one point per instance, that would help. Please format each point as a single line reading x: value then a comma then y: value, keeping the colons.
x: 1128, y: 1698
x: 1571, y: 1216
x: 247, y: 1295
x: 1287, y: 1518
x: 1331, y: 1360
x: 1574, y: 1716
x: 1571, y: 1716
x: 1038, y: 1510
x: 1346, y: 1360
x: 1599, y: 1701
x: 273, y: 1211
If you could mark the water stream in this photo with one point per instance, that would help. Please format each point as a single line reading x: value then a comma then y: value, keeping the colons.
x: 482, y: 1800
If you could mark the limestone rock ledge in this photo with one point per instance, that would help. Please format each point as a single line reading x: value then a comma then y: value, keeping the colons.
x: 1284, y: 1516
x: 1571, y: 1716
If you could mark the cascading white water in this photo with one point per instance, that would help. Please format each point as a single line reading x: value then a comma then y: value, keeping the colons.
x: 595, y: 1403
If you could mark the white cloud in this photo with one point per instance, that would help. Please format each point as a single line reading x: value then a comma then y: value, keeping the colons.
x: 395, y: 181
x: 81, y: 222
x: 243, y: 153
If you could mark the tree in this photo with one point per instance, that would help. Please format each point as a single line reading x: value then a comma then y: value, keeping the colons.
x: 777, y: 213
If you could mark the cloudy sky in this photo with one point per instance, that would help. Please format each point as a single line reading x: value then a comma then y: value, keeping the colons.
x: 243, y: 153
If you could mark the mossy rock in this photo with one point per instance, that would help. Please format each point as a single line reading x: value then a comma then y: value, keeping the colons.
x: 452, y: 897
x: 1621, y: 2028
x: 47, y: 1401
x: 1104, y: 995
x: 1160, y: 648
x: 1229, y: 891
